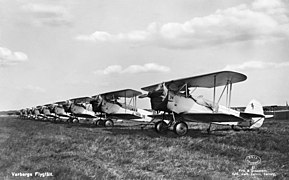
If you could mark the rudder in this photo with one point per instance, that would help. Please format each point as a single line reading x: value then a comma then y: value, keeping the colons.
x: 255, y: 107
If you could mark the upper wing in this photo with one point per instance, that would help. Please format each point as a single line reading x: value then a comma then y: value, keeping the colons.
x: 128, y: 93
x: 81, y: 100
x: 201, y: 117
x: 207, y: 80
x: 61, y: 102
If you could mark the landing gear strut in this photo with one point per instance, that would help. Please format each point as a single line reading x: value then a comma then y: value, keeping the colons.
x: 179, y: 127
x: 209, y: 129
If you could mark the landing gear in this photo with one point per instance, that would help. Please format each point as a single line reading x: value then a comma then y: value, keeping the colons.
x: 181, y: 128
x: 209, y: 129
x: 108, y: 123
x: 72, y: 120
x: 105, y: 123
x: 96, y: 123
x: 161, y: 127
x: 54, y: 120
x: 75, y: 120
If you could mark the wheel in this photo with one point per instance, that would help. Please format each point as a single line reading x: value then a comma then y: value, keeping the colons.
x: 108, y: 123
x: 100, y: 123
x: 161, y: 126
x: 75, y: 120
x: 96, y: 123
x: 181, y: 128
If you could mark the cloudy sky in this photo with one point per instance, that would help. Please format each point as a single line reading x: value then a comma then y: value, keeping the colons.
x: 53, y: 50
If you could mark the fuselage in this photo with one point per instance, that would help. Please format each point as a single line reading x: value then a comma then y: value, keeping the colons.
x: 104, y: 106
x: 60, y: 111
x: 79, y: 110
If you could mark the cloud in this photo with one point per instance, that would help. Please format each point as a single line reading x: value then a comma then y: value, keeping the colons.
x: 7, y: 57
x: 256, y: 65
x: 44, y: 14
x: 263, y: 19
x: 34, y: 89
x: 133, y: 69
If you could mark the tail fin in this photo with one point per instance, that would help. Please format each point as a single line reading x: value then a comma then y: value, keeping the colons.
x: 255, y: 107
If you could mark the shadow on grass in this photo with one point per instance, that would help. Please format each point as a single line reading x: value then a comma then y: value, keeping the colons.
x: 150, y: 132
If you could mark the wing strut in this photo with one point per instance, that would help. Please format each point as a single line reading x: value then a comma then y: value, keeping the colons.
x: 230, y: 94
x: 125, y: 101
x: 214, y: 96
x: 222, y: 93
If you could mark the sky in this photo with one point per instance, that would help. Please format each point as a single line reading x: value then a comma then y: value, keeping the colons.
x: 53, y: 50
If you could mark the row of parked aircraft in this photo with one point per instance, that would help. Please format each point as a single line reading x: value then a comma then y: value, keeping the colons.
x: 173, y: 105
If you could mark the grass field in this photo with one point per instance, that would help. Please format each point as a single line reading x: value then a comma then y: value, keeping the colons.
x: 126, y: 152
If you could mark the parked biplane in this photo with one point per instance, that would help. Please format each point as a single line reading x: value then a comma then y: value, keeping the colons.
x: 40, y: 114
x: 61, y: 110
x: 179, y: 105
x: 79, y: 108
x: 110, y: 107
x: 23, y: 113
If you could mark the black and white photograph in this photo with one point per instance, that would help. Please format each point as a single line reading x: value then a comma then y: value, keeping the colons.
x: 142, y: 89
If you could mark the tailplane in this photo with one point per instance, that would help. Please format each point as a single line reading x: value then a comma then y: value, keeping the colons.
x: 255, y: 107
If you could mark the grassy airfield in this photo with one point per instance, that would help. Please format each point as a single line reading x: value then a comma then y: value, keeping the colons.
x: 126, y: 152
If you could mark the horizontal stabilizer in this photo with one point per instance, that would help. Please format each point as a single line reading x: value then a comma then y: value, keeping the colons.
x: 250, y: 115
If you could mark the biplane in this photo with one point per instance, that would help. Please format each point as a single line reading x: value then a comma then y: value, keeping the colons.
x: 29, y: 113
x: 23, y: 113
x: 40, y: 114
x: 179, y: 105
x: 79, y: 108
x: 109, y: 107
x: 48, y: 113
x: 60, y: 110
x: 55, y: 112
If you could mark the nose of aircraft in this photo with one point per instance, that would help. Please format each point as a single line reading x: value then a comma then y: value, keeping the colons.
x: 159, y: 98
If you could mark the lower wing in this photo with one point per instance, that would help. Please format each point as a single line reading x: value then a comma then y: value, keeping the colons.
x: 201, y: 117
x: 125, y: 116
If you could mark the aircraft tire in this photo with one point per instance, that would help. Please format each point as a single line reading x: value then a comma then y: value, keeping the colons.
x: 108, y: 123
x: 100, y: 123
x: 181, y: 128
x: 161, y: 127
x: 96, y: 123
x: 75, y: 120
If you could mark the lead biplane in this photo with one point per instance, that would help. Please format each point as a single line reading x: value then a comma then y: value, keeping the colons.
x: 179, y: 106
x: 110, y: 107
